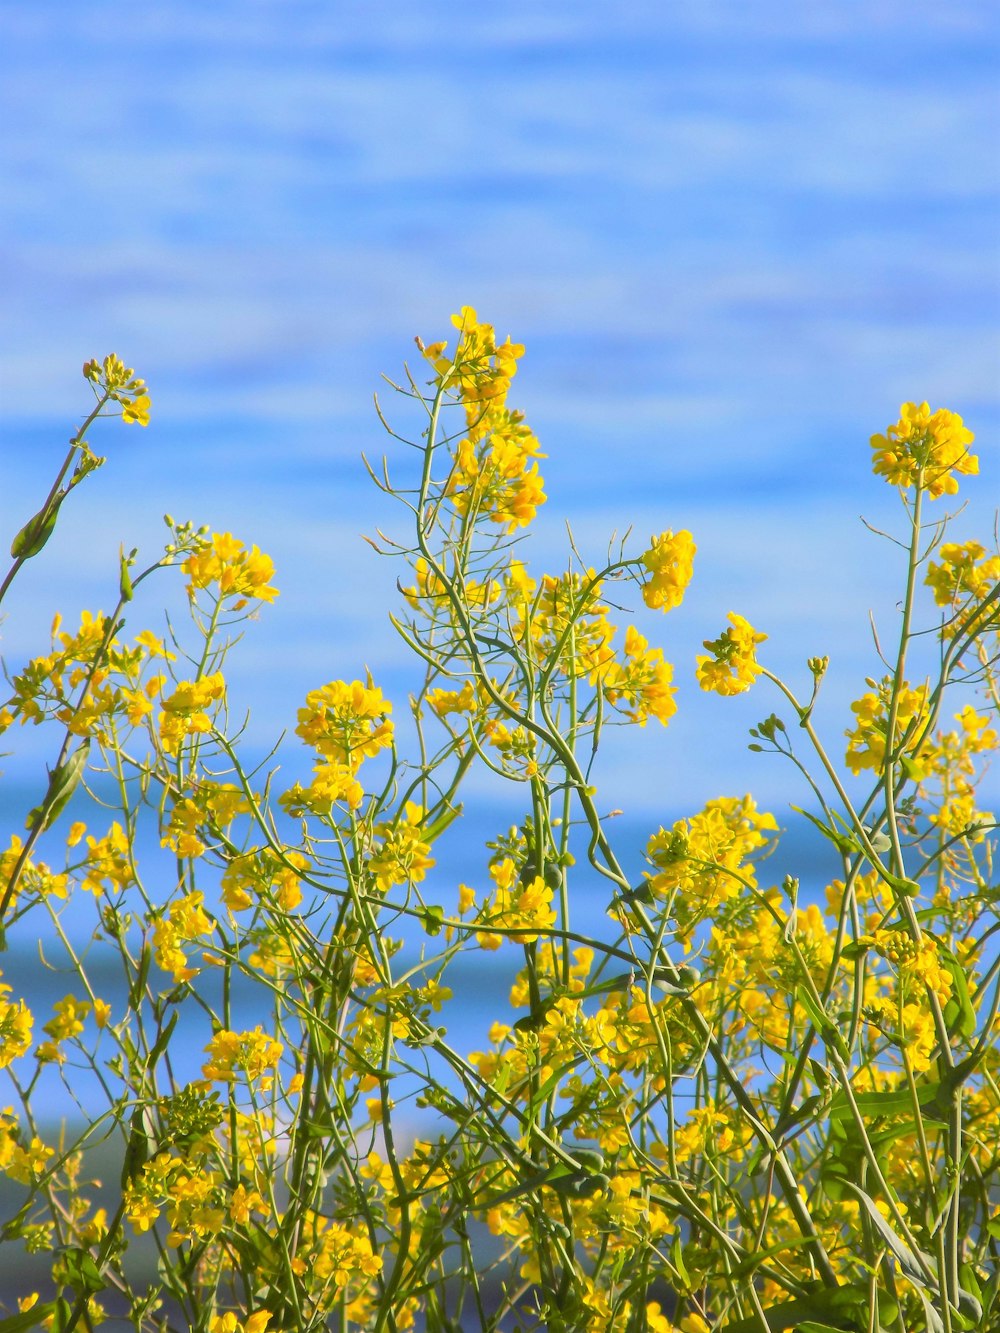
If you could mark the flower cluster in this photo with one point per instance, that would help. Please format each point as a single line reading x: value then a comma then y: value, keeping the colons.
x: 925, y: 448
x: 261, y: 876
x: 641, y: 681
x: 346, y: 723
x: 669, y: 563
x: 704, y: 861
x: 494, y: 469
x: 184, y: 921
x: 254, y: 1054
x: 402, y: 857
x: 866, y: 746
x: 963, y: 578
x: 122, y: 385
x: 224, y: 564
x: 733, y: 666
x: 15, y: 1027
x: 521, y: 906
x: 565, y: 622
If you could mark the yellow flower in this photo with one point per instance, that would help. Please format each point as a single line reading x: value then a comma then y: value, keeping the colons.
x: 926, y: 447
x: 520, y: 906
x: 136, y: 410
x: 184, y: 711
x: 237, y: 572
x: 71, y: 1014
x: 643, y: 681
x: 346, y: 722
x: 443, y: 702
x: 866, y: 746
x: 733, y: 667
x: 16, y: 1022
x: 964, y: 571
x: 253, y: 1053
x: 403, y: 857
x: 186, y: 920
x: 670, y: 565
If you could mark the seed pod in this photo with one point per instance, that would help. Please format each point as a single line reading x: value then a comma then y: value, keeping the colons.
x: 36, y: 532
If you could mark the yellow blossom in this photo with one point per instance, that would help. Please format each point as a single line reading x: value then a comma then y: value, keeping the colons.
x: 926, y: 447
x: 867, y: 742
x: 642, y: 681
x: 16, y: 1022
x: 185, y: 711
x: 403, y: 856
x: 669, y: 563
x: 346, y: 722
x: 237, y: 572
x: 253, y: 1053
x: 733, y: 667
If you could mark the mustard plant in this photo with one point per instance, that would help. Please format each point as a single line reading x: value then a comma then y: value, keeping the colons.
x: 730, y: 1109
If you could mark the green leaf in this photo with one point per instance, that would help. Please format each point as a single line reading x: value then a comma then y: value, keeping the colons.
x: 914, y: 1269
x: 63, y: 782
x: 842, y: 841
x: 81, y: 1271
x: 893, y: 1102
x: 437, y: 827
x: 21, y: 1323
x: 124, y: 577
x: 959, y: 1011
x: 839, y: 1304
x: 432, y: 919
x: 822, y: 1022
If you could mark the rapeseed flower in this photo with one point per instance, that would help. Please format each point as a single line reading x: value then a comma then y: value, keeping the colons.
x: 669, y: 563
x: 15, y: 1027
x: 926, y: 448
x: 255, y: 1054
x: 346, y: 722
x: 225, y: 562
x: 733, y: 666
x: 642, y: 681
x: 867, y: 743
x: 403, y: 856
x: 185, y: 711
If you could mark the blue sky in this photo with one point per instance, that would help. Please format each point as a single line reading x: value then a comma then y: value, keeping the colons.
x: 733, y: 238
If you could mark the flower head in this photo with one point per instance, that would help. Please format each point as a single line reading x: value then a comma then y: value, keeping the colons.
x: 669, y: 563
x: 732, y: 668
x: 925, y: 447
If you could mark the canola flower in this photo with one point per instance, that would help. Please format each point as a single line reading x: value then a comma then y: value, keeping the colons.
x: 224, y: 563
x: 16, y: 1022
x: 346, y: 722
x: 931, y: 448
x: 121, y: 385
x: 732, y: 667
x: 494, y: 469
x: 669, y: 563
